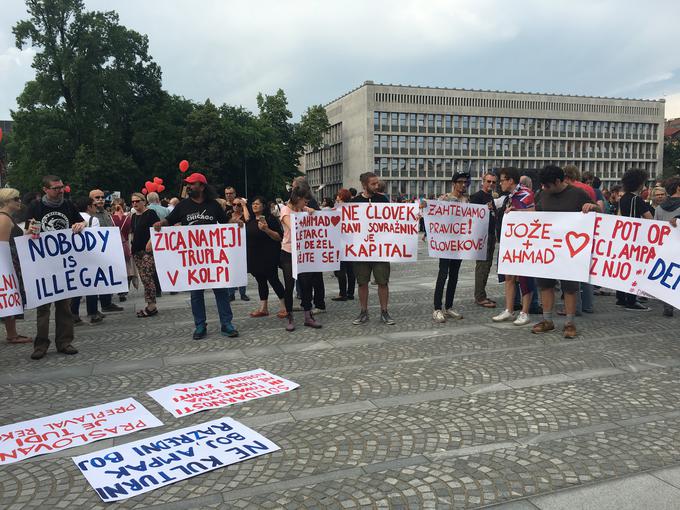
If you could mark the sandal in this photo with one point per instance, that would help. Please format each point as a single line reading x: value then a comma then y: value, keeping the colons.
x: 19, y: 339
x: 147, y: 313
x: 487, y: 303
x: 259, y: 313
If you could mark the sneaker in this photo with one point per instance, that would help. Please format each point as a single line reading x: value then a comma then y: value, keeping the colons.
x: 361, y: 319
x: 569, y: 331
x: 232, y: 298
x: 96, y: 318
x: 317, y: 311
x: 229, y: 330
x: 69, y: 349
x: 100, y: 315
x: 452, y: 314
x: 438, y: 316
x: 638, y: 307
x: 339, y: 298
x: 521, y: 320
x: 200, y: 332
x: 543, y: 327
x: 39, y: 352
x: 77, y: 321
x: 112, y: 308
x: 244, y: 297
x: 505, y: 315
x: 385, y: 317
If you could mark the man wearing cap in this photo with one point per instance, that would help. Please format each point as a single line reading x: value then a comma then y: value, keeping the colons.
x: 201, y: 208
x: 449, y: 268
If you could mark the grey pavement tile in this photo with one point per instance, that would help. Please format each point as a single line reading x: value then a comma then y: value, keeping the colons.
x: 632, y: 493
x: 669, y: 475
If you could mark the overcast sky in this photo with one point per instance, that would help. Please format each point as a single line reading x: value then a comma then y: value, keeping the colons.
x: 315, y: 51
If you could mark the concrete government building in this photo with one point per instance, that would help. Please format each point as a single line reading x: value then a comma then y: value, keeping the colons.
x: 414, y: 138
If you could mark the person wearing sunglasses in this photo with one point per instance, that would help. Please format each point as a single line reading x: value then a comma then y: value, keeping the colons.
x: 482, y: 267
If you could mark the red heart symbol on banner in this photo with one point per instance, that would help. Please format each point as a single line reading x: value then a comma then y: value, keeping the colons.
x: 576, y: 242
x: 335, y: 220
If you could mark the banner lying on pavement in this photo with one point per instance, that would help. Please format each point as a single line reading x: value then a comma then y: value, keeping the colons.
x: 223, y: 391
x: 127, y: 470
x: 25, y: 439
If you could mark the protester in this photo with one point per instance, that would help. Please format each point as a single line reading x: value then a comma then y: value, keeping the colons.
x: 10, y: 205
x: 345, y: 275
x: 299, y: 198
x: 51, y: 213
x: 237, y: 212
x: 172, y: 203
x: 482, y: 267
x: 364, y: 269
x: 201, y: 208
x: 572, y: 176
x: 263, y: 236
x: 659, y: 196
x: 229, y: 196
x: 123, y: 221
x: 105, y: 220
x: 449, y: 268
x: 154, y: 203
x: 140, y: 224
x: 669, y: 210
x: 559, y: 196
x: 632, y: 206
x: 594, y: 182
x: 520, y: 198
x: 87, y: 209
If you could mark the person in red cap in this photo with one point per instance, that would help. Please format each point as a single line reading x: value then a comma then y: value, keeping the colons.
x: 201, y: 208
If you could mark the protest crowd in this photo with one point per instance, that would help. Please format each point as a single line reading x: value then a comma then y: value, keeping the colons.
x: 275, y: 242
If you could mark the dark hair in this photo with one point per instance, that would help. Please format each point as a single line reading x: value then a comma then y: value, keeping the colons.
x: 633, y: 179
x: 353, y: 192
x: 49, y: 179
x: 364, y: 178
x: 572, y: 172
x: 551, y: 174
x: 510, y: 173
x: 82, y: 203
x: 209, y: 192
x: 30, y: 197
x: 672, y: 184
x: 345, y: 195
x: 615, y: 188
x: 327, y: 202
x: 587, y: 176
x: 297, y: 194
x: 266, y: 206
x: 596, y: 183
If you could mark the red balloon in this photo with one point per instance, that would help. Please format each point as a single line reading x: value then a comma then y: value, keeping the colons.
x: 160, y: 188
x: 158, y: 180
x: 149, y: 185
x: 183, y: 165
x: 67, y: 189
x: 144, y: 191
x: 0, y: 134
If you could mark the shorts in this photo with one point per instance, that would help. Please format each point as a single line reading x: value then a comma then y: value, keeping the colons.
x: 567, y: 286
x: 380, y: 270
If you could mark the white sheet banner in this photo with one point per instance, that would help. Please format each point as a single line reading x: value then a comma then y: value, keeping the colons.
x: 200, y: 257
x: 623, y: 250
x: 456, y: 230
x: 546, y: 244
x: 662, y: 279
x: 127, y: 470
x: 223, y: 391
x: 316, y: 241
x: 59, y: 264
x: 379, y: 232
x: 10, y: 297
x: 26, y: 439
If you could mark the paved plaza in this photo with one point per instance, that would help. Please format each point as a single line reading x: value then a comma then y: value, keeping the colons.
x: 465, y: 414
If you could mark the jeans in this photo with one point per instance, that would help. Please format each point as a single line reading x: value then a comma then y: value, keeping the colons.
x: 304, y: 280
x: 447, y: 268
x: 90, y: 303
x: 346, y: 279
x: 318, y: 290
x: 223, y: 307
x: 105, y: 300
x: 482, y: 269
x: 584, y: 299
x: 232, y: 291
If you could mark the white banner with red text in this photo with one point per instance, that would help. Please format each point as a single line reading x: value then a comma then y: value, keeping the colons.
x: 10, y: 296
x: 456, y: 230
x: 315, y: 241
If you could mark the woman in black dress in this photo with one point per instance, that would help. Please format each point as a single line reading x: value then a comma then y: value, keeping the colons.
x: 263, y: 240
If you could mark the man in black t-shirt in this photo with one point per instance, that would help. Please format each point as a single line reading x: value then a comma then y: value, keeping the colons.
x: 53, y: 212
x: 483, y: 267
x: 201, y: 208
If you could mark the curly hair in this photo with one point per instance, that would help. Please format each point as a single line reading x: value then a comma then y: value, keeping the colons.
x: 633, y: 179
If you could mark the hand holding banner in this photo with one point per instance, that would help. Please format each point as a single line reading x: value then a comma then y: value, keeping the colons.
x: 200, y: 257
x: 61, y: 264
x: 379, y: 232
x: 546, y: 244
x: 316, y: 241
x: 456, y: 230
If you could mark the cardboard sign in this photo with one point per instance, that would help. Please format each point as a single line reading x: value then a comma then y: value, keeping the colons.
x: 200, y: 257
x: 379, y: 232
x: 10, y: 297
x: 127, y: 470
x: 59, y: 264
x: 316, y: 241
x: 223, y: 391
x: 546, y: 244
x: 61, y: 431
x: 456, y: 230
x: 662, y: 279
x: 624, y: 249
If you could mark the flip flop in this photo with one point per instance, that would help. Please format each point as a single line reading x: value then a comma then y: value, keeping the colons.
x: 19, y: 339
x: 487, y: 303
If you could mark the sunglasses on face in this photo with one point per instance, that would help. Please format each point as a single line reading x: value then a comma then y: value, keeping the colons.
x: 99, y: 197
x: 135, y: 201
x: 56, y: 188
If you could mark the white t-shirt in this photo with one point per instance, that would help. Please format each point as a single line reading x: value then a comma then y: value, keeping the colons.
x: 87, y: 217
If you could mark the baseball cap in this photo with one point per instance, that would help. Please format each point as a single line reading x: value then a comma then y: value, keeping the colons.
x: 460, y: 175
x: 196, y: 177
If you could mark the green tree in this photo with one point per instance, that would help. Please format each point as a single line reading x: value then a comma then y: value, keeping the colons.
x: 76, y: 117
x: 313, y: 125
x: 671, y: 157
